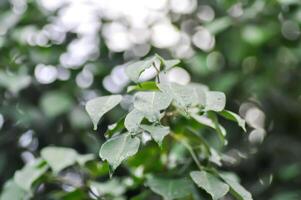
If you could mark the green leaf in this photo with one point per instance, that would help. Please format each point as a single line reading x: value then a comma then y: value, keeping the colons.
x: 145, y: 86
x: 25, y: 177
x: 158, y: 132
x: 113, y: 187
x: 198, y: 94
x: 134, y: 70
x: 215, y: 157
x: 204, y: 120
x: 83, y: 159
x: 168, y: 64
x: 97, y: 107
x: 58, y: 158
x: 182, y: 95
x: 132, y: 120
x: 215, y: 101
x: 236, y: 189
x: 234, y: 117
x: 55, y: 103
x: 211, y: 184
x: 12, y: 191
x: 118, y: 148
x: 211, y: 121
x: 170, y: 188
x: 151, y: 103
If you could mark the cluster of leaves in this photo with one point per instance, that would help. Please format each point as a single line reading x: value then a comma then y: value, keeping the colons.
x: 183, y: 114
x: 259, y: 55
x: 27, y: 182
x: 175, y: 111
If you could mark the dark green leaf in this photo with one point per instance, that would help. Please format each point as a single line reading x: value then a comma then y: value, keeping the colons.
x: 115, y: 128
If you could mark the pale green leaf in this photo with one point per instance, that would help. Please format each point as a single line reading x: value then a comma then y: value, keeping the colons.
x: 119, y: 148
x: 58, y: 158
x: 236, y: 189
x: 170, y: 188
x: 113, y: 187
x: 133, y: 120
x: 211, y: 184
x: 12, y: 191
x: 204, y: 120
x: 215, y: 101
x: 182, y: 95
x: 234, y: 117
x: 198, y: 94
x: 25, y: 177
x: 135, y: 69
x: 215, y: 157
x: 151, y: 103
x: 83, y: 159
x: 97, y: 107
x: 158, y: 132
x: 168, y: 64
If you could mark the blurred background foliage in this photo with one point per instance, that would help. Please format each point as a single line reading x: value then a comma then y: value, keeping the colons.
x: 57, y: 54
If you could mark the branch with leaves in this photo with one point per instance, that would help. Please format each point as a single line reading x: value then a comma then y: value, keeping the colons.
x: 163, y: 109
x: 182, y: 120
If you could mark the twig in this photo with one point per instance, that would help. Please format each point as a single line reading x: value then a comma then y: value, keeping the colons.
x: 188, y: 147
x: 158, y: 72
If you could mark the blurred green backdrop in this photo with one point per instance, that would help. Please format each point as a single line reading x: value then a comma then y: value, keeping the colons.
x: 55, y: 55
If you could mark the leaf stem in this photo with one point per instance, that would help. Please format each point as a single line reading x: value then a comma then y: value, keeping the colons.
x: 158, y: 72
x: 188, y: 147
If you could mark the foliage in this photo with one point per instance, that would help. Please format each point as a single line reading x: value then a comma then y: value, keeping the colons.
x: 254, y: 58
x: 168, y: 111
